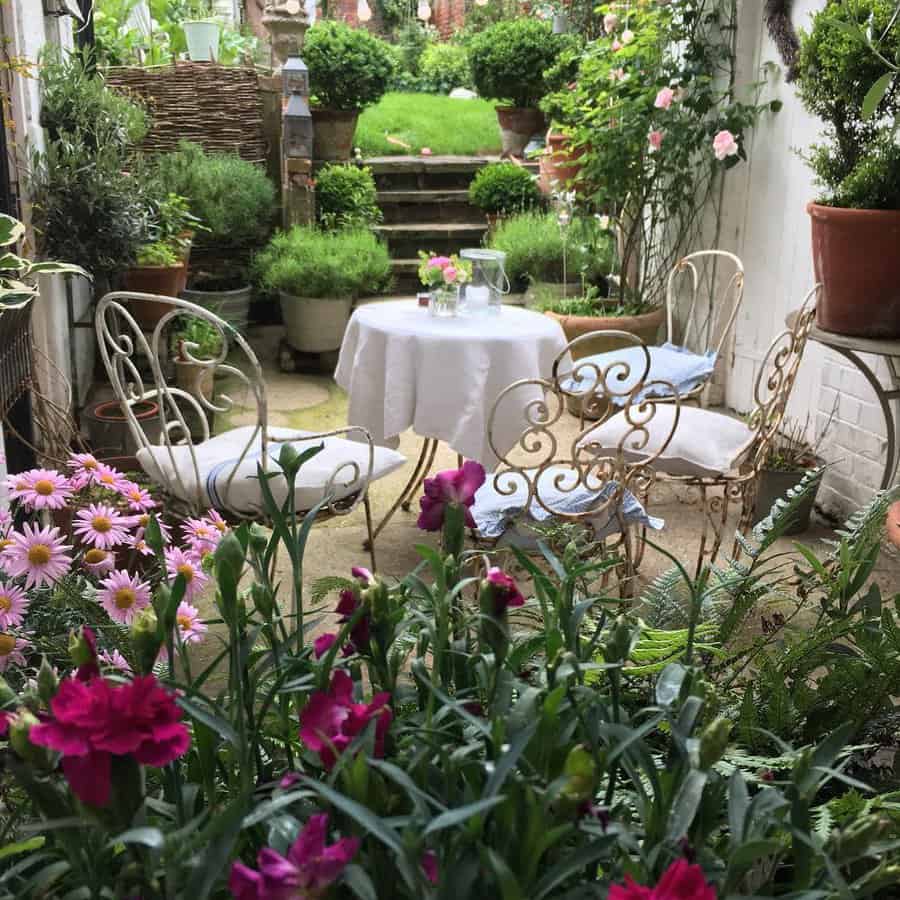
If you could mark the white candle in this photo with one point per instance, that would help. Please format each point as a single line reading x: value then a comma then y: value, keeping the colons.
x: 478, y: 297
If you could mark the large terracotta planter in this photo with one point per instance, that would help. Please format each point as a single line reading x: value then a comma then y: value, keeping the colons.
x: 167, y: 281
x: 559, y: 163
x: 333, y: 131
x: 645, y: 326
x: 892, y: 524
x: 856, y: 256
x: 518, y: 124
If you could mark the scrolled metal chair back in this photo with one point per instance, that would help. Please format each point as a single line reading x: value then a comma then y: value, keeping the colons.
x: 124, y: 346
x: 548, y: 459
x: 777, y: 374
x: 702, y: 321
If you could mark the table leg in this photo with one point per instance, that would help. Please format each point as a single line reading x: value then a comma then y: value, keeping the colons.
x: 884, y: 399
x: 420, y: 471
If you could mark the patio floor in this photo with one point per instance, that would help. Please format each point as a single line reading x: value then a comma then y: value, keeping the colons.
x: 314, y: 402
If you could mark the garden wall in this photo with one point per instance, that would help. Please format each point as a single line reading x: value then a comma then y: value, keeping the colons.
x: 765, y: 223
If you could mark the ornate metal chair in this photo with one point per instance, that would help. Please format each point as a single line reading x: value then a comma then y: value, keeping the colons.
x: 221, y: 471
x: 716, y: 456
x: 699, y: 322
x: 558, y: 472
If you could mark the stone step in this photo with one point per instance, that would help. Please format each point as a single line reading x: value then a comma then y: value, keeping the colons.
x: 411, y: 173
x: 406, y: 276
x: 408, y: 207
x: 405, y: 241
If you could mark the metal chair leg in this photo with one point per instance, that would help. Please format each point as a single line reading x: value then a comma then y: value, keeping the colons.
x: 367, y: 506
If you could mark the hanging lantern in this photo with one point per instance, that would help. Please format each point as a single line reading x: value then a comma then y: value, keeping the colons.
x: 363, y: 11
x: 295, y: 77
x: 424, y: 11
x: 297, y: 129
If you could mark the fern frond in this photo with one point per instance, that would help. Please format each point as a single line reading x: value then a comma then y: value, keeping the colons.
x: 330, y: 584
x: 665, y: 600
x: 784, y: 512
x: 864, y: 527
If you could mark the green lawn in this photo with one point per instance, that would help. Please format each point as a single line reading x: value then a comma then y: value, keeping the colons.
x: 458, y: 127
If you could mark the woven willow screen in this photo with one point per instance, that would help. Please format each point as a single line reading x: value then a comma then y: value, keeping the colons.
x: 218, y: 107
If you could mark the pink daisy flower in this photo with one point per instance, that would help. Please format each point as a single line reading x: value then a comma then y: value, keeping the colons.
x: 123, y: 596
x: 107, y: 477
x: 113, y: 659
x: 84, y: 467
x: 40, y: 489
x: 12, y: 650
x: 13, y: 606
x: 101, y: 525
x: 190, y: 629
x: 217, y: 521
x: 138, y: 498
x: 178, y: 562
x: 6, y: 521
x: 137, y: 542
x: 201, y: 535
x: 143, y: 520
x: 37, y: 553
x: 98, y: 561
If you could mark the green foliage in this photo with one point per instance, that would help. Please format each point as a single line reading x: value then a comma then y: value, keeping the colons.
x: 535, y: 246
x: 592, y: 303
x: 411, y: 42
x: 306, y: 262
x: 859, y: 167
x: 349, y: 68
x: 508, y: 60
x: 199, y: 337
x: 346, y: 197
x: 504, y: 188
x: 444, y: 125
x: 233, y: 199
x: 445, y: 66
x: 75, y: 99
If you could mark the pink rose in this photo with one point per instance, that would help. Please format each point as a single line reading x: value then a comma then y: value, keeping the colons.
x: 655, y: 138
x: 627, y: 36
x: 616, y: 46
x: 450, y: 274
x: 664, y: 98
x: 439, y: 262
x: 610, y: 21
x: 724, y: 145
x: 425, y: 151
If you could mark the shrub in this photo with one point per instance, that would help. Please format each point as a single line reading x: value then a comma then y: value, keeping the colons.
x: 346, y: 197
x: 233, y: 199
x: 504, y: 188
x: 837, y: 68
x: 445, y: 66
x: 306, y: 262
x: 159, y: 253
x: 508, y: 60
x: 536, y: 251
x: 76, y: 99
x: 349, y: 69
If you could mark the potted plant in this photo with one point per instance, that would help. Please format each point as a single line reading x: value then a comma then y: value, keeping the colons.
x: 195, y: 339
x: 234, y: 201
x: 201, y: 31
x: 790, y: 457
x: 547, y: 260
x: 508, y: 62
x: 318, y: 275
x: 346, y: 197
x: 159, y: 269
x: 349, y: 69
x: 501, y: 189
x: 856, y: 220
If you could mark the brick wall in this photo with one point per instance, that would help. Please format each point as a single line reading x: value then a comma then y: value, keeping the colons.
x: 448, y: 16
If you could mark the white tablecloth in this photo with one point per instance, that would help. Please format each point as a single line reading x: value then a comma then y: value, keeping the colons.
x: 406, y: 369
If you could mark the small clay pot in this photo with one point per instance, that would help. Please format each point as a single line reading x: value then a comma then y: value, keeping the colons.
x: 892, y: 524
x: 333, y: 132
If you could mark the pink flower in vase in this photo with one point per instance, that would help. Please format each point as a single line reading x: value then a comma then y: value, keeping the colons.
x: 439, y: 262
x: 450, y: 274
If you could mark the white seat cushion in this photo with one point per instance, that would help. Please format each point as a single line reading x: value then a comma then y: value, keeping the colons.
x: 217, y: 457
x: 668, y: 363
x: 705, y: 443
x: 495, y: 512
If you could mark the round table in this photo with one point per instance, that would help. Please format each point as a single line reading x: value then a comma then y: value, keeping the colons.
x: 404, y: 368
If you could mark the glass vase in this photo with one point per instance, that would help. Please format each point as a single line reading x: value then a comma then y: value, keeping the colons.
x: 444, y: 302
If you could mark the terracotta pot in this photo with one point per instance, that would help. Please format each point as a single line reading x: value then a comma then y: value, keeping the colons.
x: 167, y: 281
x: 892, y: 524
x: 855, y: 256
x: 559, y: 164
x: 645, y: 326
x: 108, y: 430
x: 518, y: 124
x: 333, y: 131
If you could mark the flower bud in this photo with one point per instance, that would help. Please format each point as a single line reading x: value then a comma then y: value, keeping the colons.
x: 47, y: 681
x: 713, y: 742
x: 263, y: 600
x: 853, y: 841
x: 580, y: 769
x: 259, y: 538
x: 82, y: 647
x: 145, y: 639
x: 20, y: 726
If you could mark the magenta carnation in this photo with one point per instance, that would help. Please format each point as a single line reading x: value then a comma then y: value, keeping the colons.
x: 92, y: 721
x: 331, y: 720
x: 456, y: 486
x: 681, y: 881
x: 309, y: 868
x: 506, y: 591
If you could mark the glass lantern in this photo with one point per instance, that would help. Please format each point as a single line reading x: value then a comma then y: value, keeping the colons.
x: 297, y: 130
x: 294, y: 77
x: 484, y: 293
